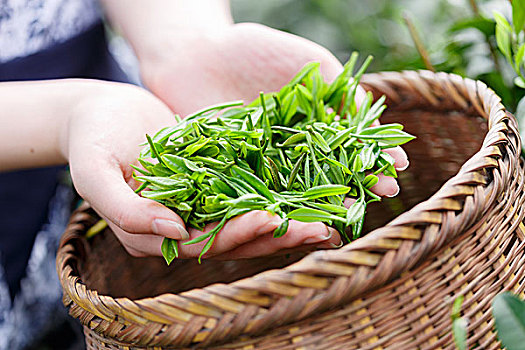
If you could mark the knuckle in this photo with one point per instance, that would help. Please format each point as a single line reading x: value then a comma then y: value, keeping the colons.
x: 125, y: 221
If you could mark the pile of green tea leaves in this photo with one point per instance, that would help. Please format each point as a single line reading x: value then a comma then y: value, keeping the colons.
x: 296, y: 153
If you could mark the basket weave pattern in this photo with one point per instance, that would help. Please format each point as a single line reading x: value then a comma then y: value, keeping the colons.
x: 392, y: 289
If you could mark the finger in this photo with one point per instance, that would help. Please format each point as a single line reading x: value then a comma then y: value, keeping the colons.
x: 400, y: 157
x: 360, y: 95
x: 111, y: 197
x: 348, y: 202
x: 386, y: 186
x: 305, y: 248
x: 237, y: 231
x: 299, y: 234
x: 138, y: 245
x: 330, y: 66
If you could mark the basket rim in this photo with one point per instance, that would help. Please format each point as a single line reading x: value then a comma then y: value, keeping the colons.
x: 327, y: 278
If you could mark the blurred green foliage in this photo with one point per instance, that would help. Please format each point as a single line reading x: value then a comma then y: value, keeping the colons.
x: 459, y: 35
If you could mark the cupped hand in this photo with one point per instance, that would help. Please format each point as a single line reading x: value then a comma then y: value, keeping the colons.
x: 104, y: 134
x: 196, y: 70
x: 236, y: 63
x: 199, y: 69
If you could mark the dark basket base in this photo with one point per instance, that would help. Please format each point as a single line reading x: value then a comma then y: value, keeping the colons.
x: 435, y: 156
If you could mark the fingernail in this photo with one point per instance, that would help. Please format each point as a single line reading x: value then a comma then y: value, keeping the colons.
x: 318, y: 239
x: 331, y: 245
x: 270, y: 225
x: 395, y: 193
x: 276, y: 221
x: 405, y: 167
x: 169, y: 228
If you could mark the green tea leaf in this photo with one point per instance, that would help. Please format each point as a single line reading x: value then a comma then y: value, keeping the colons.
x: 295, y: 171
x: 339, y: 138
x: 325, y: 191
x: 391, y: 137
x: 518, y: 59
x: 253, y: 181
x: 374, y: 130
x: 288, y: 108
x: 368, y: 157
x: 339, y: 164
x: 355, y: 212
x: 459, y: 324
x: 503, y: 32
x: 160, y: 181
x: 335, y: 209
x: 459, y: 330
x: 282, y: 229
x: 509, y: 314
x: 518, y: 81
x: 175, y: 163
x: 140, y: 170
x: 195, y: 147
x: 165, y: 194
x: 155, y: 149
x: 307, y: 69
x: 296, y: 153
x: 292, y: 140
x: 482, y: 24
x: 518, y: 15
x: 370, y: 180
x: 357, y: 164
x: 219, y: 186
x: 312, y: 215
x: 219, y: 106
x: 169, y: 249
x: 320, y: 141
x: 249, y: 200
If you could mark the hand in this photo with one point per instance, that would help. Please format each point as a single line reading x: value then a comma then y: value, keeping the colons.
x: 237, y: 63
x: 103, y: 137
x: 135, y: 220
x: 196, y: 70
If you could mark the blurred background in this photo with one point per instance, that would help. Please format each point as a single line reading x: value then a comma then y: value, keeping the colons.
x: 455, y: 36
x: 458, y: 35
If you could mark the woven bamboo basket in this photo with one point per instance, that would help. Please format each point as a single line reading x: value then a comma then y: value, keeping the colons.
x: 455, y: 229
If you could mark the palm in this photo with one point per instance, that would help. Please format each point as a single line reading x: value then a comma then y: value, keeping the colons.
x: 236, y: 64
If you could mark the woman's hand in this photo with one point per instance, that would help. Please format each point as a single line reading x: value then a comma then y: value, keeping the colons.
x: 236, y: 63
x: 197, y: 69
x: 102, y: 139
x: 192, y: 55
x: 98, y: 127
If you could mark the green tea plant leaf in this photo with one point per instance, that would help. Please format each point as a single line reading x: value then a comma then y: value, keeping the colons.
x: 509, y: 314
x: 518, y: 15
x: 169, y: 249
x: 325, y: 191
x: 503, y: 33
x: 312, y: 215
x: 459, y: 325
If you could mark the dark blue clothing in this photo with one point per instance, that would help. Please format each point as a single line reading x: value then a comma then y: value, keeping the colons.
x: 24, y: 195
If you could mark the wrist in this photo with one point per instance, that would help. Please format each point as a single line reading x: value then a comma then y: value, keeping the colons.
x: 155, y: 27
x: 40, y: 111
x: 175, y: 42
x: 91, y: 100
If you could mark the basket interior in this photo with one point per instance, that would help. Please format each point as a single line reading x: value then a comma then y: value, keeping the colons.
x: 445, y: 140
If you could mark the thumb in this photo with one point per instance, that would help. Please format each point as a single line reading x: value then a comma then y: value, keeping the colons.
x: 330, y: 66
x: 110, y: 195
